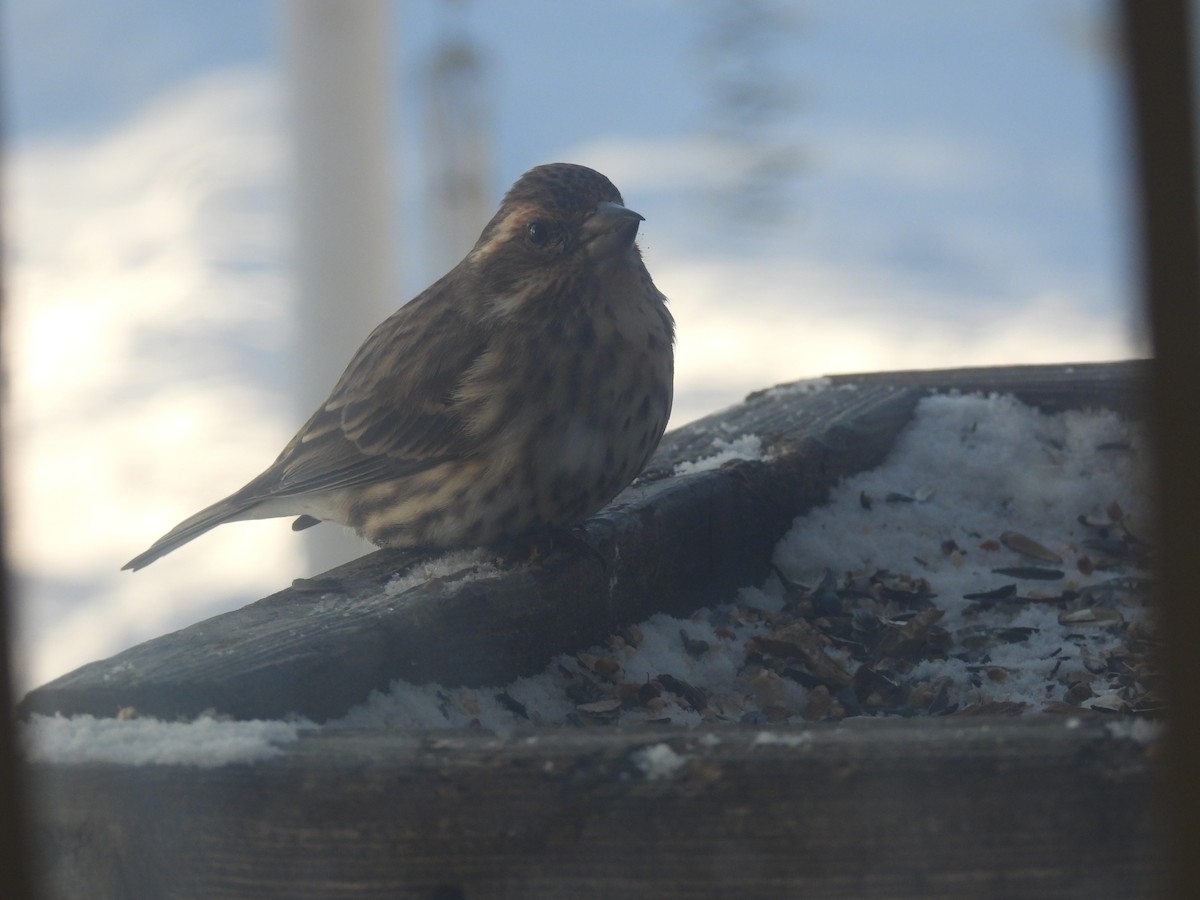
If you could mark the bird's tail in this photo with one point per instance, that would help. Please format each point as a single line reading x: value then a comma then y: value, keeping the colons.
x: 227, y: 510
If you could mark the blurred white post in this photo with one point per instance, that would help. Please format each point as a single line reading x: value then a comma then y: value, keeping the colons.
x: 458, y: 150
x: 339, y: 92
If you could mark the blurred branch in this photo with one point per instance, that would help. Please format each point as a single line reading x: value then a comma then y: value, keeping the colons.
x: 740, y: 53
x: 457, y: 143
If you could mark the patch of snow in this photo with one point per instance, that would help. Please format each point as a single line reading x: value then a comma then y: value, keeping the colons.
x: 1144, y: 731
x: 658, y: 761
x: 985, y: 465
x: 746, y: 446
x: 774, y: 738
x: 473, y: 565
x: 796, y: 388
x: 205, y: 743
x: 973, y: 467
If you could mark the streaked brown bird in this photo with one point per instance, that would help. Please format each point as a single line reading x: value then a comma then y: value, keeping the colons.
x: 524, y: 389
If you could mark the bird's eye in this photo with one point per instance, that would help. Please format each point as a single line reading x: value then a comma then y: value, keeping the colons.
x: 539, y: 232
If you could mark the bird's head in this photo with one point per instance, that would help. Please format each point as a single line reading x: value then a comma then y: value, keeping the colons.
x: 559, y: 223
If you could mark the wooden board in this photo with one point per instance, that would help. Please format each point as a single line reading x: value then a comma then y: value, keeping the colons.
x: 1120, y: 386
x: 669, y: 543
x: 898, y: 808
x: 945, y: 808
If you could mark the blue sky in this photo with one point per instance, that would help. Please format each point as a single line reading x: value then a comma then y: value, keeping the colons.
x: 959, y: 196
x: 1018, y: 84
x: 1015, y: 77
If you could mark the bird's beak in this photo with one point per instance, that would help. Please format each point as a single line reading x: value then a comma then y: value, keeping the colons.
x: 611, y: 219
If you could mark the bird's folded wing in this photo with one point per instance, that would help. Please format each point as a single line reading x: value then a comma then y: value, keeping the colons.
x: 394, y: 410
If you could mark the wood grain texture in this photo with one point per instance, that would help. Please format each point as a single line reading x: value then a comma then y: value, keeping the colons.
x: 943, y: 808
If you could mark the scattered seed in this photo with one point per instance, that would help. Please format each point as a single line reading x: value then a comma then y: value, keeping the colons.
x: 599, y: 707
x: 514, y: 706
x: 1110, y: 702
x: 1077, y: 693
x: 1000, y: 593
x: 1027, y: 546
x: 608, y: 668
x: 1029, y: 573
x: 692, y: 646
x: 694, y: 697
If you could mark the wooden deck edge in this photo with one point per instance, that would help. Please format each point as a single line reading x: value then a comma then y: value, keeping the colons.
x: 951, y: 808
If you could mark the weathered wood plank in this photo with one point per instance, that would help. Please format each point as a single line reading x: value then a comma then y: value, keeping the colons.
x: 669, y: 543
x: 899, y: 808
x: 943, y: 808
x: 1120, y: 386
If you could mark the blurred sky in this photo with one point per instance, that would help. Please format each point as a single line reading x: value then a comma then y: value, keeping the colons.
x: 946, y: 185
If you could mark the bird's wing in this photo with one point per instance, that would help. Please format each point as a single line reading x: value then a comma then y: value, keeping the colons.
x: 393, y: 411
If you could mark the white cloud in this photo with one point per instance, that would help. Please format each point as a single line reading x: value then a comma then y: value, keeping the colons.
x: 746, y: 324
x: 129, y: 408
x: 871, y: 284
x: 907, y: 159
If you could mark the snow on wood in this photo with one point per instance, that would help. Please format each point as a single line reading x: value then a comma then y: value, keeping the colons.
x: 667, y: 544
x: 1047, y: 806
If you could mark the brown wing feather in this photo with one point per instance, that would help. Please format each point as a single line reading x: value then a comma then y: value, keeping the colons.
x: 393, y: 412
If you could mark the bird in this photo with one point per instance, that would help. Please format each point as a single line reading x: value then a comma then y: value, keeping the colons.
x: 520, y: 392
